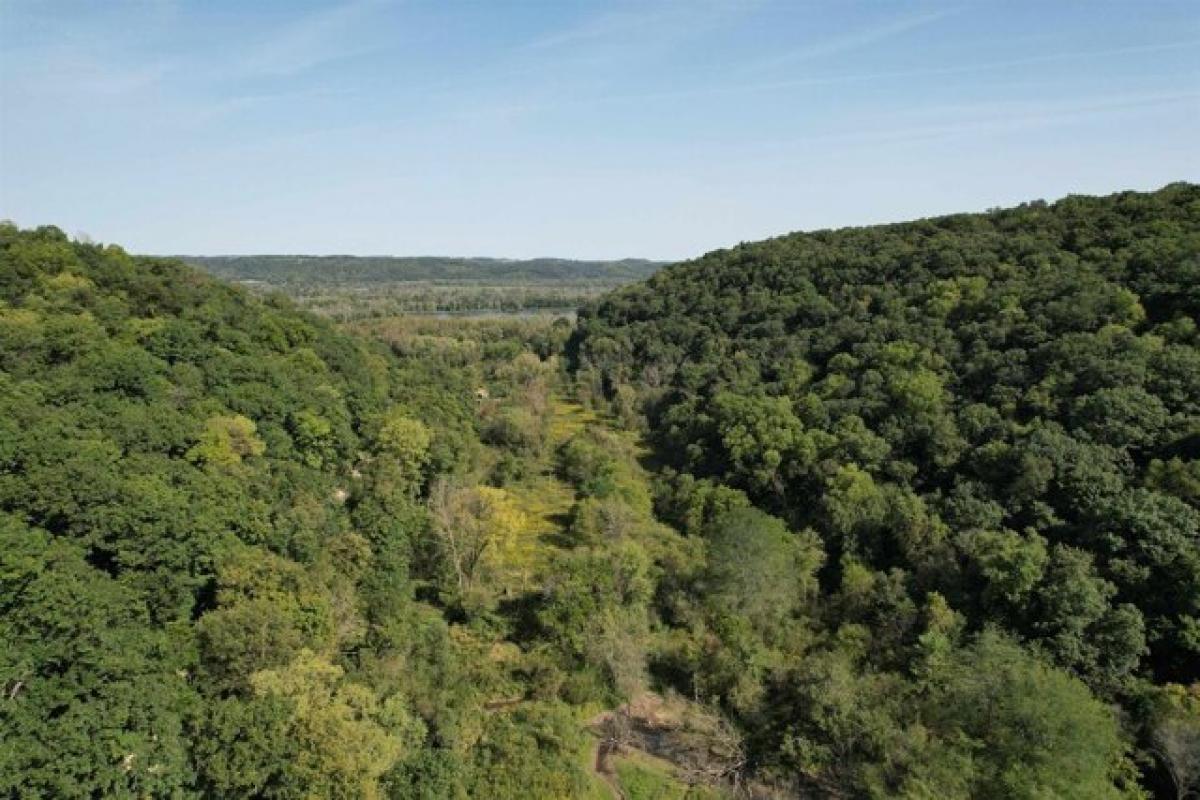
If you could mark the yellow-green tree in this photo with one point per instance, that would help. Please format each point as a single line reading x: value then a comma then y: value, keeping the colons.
x: 404, y: 442
x: 472, y: 525
x: 226, y: 440
x: 346, y: 738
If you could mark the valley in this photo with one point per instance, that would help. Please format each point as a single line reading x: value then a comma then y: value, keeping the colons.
x: 902, y: 511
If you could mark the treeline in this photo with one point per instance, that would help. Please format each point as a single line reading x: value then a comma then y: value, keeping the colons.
x: 974, y: 447
x: 350, y: 270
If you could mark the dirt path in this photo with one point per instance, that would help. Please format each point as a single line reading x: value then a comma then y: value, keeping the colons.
x: 603, y: 772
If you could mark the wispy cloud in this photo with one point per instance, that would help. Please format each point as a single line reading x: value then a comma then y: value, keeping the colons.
x: 101, y: 62
x: 318, y: 38
x: 647, y: 23
x: 644, y: 32
x: 986, y: 119
x: 619, y: 24
x: 746, y: 87
x: 848, y: 42
x: 78, y: 70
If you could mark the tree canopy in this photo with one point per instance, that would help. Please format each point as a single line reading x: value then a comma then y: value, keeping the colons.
x: 902, y: 511
x: 1001, y: 410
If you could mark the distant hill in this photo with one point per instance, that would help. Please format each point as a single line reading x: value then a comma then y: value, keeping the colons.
x: 355, y: 270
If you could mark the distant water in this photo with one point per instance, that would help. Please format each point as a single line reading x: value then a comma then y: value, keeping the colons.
x: 568, y: 313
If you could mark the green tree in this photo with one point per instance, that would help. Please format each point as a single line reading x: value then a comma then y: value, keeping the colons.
x: 1016, y: 728
x: 758, y: 569
x: 763, y: 441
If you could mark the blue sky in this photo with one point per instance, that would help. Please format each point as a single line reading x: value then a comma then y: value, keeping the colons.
x: 580, y: 129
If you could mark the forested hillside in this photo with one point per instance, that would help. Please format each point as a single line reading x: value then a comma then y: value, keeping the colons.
x: 981, y: 435
x: 193, y: 486
x: 243, y: 554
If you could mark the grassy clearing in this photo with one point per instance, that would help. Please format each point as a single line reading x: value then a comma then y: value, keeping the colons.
x: 599, y: 787
x: 545, y: 501
x: 569, y: 418
x: 642, y: 776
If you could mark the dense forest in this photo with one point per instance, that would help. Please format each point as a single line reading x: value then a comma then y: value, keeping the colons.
x: 977, y: 439
x: 904, y: 511
x: 244, y: 554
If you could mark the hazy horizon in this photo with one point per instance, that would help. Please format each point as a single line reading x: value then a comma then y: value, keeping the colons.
x: 552, y: 256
